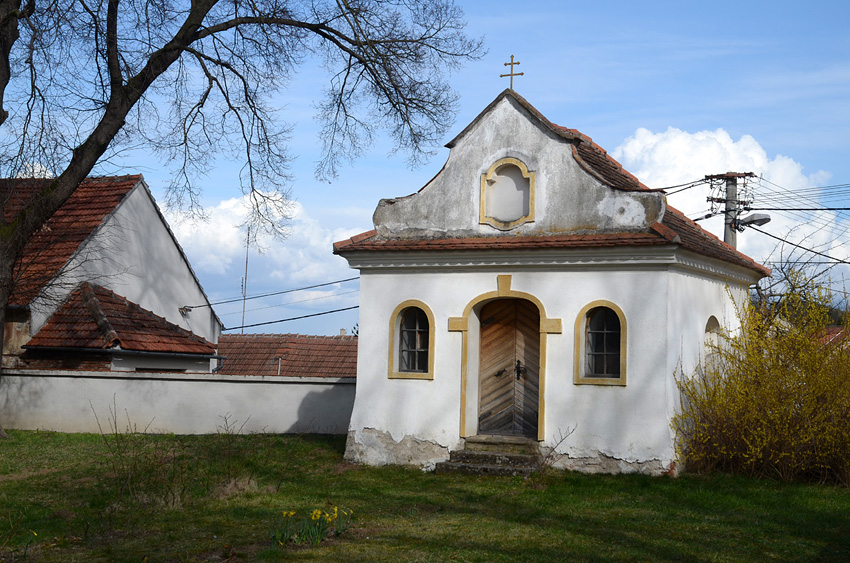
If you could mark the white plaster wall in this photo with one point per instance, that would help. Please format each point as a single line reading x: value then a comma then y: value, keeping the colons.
x: 134, y: 254
x: 623, y: 422
x: 694, y: 298
x: 666, y: 310
x: 173, y: 403
x: 567, y: 198
x: 627, y: 423
x: 406, y: 407
x: 132, y: 362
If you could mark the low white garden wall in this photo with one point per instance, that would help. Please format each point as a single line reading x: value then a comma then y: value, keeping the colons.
x: 72, y: 401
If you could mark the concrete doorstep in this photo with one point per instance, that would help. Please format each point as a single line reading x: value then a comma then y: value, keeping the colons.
x: 494, y: 455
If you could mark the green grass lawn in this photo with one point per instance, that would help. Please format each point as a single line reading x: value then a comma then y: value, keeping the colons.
x: 70, y: 497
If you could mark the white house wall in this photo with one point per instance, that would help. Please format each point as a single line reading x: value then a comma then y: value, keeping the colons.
x: 176, y: 403
x: 134, y: 254
x: 614, y: 428
x: 695, y: 297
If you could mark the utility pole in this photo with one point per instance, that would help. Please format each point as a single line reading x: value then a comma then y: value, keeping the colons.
x: 730, y: 233
x: 245, y: 279
x: 732, y: 205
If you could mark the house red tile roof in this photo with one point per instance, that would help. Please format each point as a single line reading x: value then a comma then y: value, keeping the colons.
x: 834, y: 334
x: 60, y: 237
x: 288, y: 355
x: 698, y: 240
x: 95, y: 318
x: 674, y: 228
x: 501, y: 242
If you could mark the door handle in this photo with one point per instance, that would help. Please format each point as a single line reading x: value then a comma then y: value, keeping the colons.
x: 500, y: 372
x: 520, y: 369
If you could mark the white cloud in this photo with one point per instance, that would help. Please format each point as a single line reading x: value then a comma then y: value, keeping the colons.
x: 675, y: 157
x: 214, y: 243
x: 216, y: 250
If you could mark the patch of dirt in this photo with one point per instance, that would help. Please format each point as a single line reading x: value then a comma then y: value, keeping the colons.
x: 344, y: 467
x: 63, y: 515
x: 25, y: 475
x: 236, y: 487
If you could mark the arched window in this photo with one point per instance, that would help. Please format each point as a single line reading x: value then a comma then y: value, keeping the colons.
x: 711, y: 352
x: 600, y: 345
x: 411, y: 341
x: 413, y: 345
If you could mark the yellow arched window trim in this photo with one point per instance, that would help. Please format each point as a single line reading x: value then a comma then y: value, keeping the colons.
x: 579, y: 377
x: 486, y: 181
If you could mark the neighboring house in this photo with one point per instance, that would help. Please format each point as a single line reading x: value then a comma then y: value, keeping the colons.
x: 108, y: 325
x: 96, y: 329
x: 289, y: 355
x: 835, y: 334
x: 531, y: 289
x: 105, y: 284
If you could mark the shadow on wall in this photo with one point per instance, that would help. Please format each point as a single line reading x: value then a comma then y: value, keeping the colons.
x: 325, y: 412
x: 18, y: 395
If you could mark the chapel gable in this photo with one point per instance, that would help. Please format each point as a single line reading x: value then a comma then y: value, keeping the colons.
x: 513, y: 172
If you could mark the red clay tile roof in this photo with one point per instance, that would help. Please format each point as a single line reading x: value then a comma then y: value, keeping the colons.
x: 501, y: 242
x: 674, y: 227
x: 96, y: 318
x: 834, y: 334
x: 698, y: 240
x: 52, y: 246
x: 288, y: 355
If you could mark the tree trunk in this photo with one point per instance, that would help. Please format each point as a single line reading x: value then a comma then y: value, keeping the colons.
x: 9, y: 10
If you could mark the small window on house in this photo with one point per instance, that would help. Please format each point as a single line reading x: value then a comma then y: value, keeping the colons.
x: 603, y: 343
x: 600, y: 345
x: 411, y: 342
x: 711, y: 351
x: 413, y: 350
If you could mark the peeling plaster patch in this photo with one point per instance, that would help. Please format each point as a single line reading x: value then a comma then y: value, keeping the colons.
x: 376, y: 447
x: 623, y: 211
x: 602, y: 463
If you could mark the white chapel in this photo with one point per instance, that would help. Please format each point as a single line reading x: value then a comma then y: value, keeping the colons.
x: 532, y: 290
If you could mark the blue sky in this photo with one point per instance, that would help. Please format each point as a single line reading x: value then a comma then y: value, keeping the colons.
x: 674, y: 90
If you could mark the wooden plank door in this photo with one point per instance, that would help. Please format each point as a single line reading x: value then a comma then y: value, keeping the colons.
x: 509, y: 368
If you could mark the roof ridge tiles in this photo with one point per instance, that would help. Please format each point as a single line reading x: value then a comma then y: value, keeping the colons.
x: 99, y: 315
x: 289, y: 335
x: 92, y: 310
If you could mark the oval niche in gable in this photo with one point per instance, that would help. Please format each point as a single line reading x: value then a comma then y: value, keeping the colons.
x: 507, y: 194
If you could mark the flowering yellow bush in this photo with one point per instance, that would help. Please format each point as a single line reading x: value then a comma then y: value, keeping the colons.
x: 773, y: 399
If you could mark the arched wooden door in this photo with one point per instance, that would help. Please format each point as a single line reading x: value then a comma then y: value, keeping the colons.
x: 509, y: 372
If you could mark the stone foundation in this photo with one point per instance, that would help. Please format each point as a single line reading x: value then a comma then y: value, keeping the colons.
x: 376, y: 447
x: 602, y: 463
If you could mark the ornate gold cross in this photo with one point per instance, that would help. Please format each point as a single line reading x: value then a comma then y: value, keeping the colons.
x: 511, y: 73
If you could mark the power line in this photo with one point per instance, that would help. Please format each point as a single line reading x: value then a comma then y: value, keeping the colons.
x: 797, y: 208
x: 292, y: 318
x: 261, y: 295
x: 840, y: 261
x: 685, y: 186
x: 293, y: 302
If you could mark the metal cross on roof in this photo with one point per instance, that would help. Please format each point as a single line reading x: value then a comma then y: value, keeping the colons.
x: 511, y: 73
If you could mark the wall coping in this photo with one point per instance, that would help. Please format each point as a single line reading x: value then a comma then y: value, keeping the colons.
x: 184, y: 377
